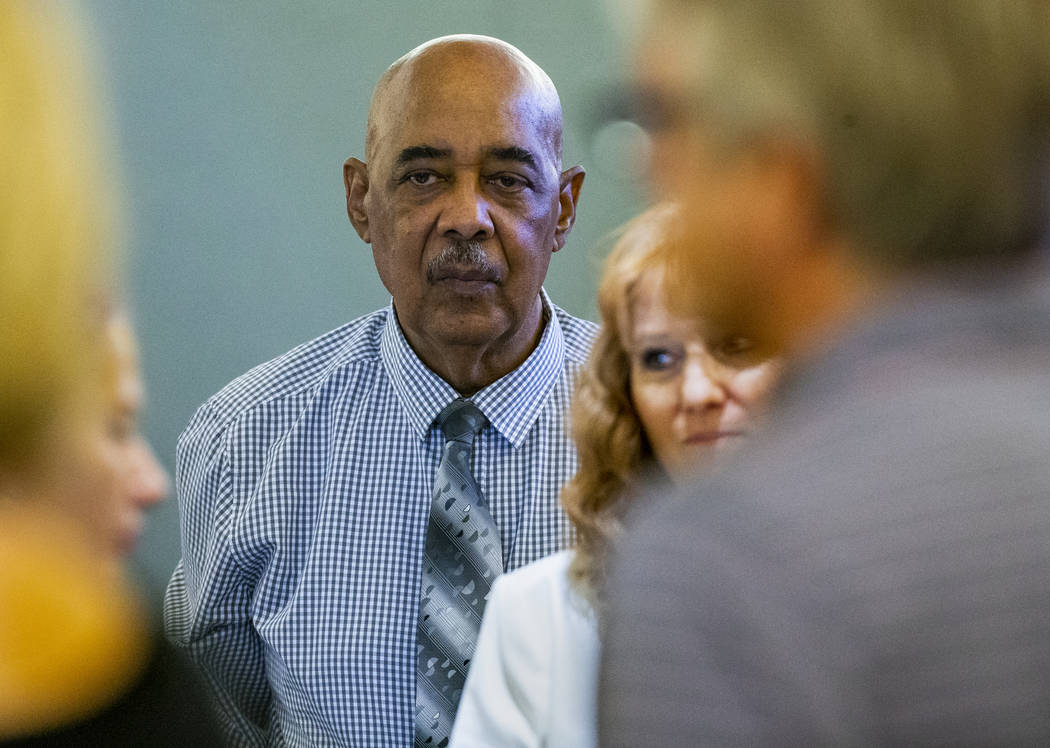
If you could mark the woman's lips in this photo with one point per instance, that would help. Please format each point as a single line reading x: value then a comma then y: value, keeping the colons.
x: 127, y: 536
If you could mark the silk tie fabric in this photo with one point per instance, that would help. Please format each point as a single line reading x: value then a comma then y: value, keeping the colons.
x: 461, y: 559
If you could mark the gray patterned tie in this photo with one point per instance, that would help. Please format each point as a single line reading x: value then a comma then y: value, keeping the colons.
x: 461, y: 559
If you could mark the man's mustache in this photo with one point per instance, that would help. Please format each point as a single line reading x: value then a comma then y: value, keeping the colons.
x: 462, y: 258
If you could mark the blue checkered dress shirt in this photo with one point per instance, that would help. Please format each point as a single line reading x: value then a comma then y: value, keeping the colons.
x: 305, y: 488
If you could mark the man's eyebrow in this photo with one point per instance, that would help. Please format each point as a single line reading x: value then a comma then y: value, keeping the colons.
x: 420, y: 152
x: 514, y: 153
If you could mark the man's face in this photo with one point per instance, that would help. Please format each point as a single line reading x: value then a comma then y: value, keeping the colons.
x: 465, y: 206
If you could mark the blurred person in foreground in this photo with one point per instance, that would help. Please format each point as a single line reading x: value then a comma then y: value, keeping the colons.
x: 865, y: 190
x: 659, y: 398
x: 78, y: 664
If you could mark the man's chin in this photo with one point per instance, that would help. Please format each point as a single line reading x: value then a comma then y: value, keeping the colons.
x: 484, y: 321
x: 467, y: 324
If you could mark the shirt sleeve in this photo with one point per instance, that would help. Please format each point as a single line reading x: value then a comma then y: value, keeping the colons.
x: 206, y: 607
x: 505, y: 693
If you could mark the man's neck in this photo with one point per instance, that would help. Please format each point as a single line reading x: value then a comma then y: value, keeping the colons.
x: 469, y: 368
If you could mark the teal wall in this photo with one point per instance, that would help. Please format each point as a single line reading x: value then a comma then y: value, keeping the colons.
x: 234, y: 119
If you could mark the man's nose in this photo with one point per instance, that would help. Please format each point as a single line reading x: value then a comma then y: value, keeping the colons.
x: 465, y: 212
x: 702, y: 383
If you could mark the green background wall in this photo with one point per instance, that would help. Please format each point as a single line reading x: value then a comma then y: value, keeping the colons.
x: 234, y: 119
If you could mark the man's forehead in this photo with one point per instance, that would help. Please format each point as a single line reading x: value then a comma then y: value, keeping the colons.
x: 428, y: 128
x: 470, y: 87
x: 452, y: 85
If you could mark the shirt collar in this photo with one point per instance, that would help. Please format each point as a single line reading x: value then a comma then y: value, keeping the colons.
x: 421, y: 392
x: 511, y: 403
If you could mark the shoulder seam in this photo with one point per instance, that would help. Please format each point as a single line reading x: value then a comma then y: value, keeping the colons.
x: 228, y: 406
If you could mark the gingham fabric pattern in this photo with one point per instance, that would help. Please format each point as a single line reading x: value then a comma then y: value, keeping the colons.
x: 305, y: 488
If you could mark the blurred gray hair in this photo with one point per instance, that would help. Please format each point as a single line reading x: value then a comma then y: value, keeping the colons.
x: 930, y: 117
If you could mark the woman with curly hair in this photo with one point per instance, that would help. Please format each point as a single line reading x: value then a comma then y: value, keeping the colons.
x: 661, y: 396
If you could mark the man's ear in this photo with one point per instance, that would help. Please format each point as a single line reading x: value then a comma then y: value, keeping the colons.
x: 569, y: 195
x: 355, y: 179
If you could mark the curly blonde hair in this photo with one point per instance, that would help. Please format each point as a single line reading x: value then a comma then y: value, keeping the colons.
x: 610, y: 441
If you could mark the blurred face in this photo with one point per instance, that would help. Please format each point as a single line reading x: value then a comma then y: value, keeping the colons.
x: 696, y: 395
x: 465, y: 204
x: 736, y: 223
x: 114, y: 477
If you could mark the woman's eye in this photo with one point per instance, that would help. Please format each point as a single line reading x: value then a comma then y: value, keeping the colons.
x: 736, y: 345
x: 657, y: 359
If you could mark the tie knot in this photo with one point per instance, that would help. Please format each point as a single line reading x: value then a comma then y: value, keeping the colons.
x: 461, y: 419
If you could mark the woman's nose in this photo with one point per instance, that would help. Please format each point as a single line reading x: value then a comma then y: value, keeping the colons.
x: 702, y: 385
x: 150, y: 480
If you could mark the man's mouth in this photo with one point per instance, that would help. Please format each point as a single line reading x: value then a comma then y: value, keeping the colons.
x: 464, y: 264
x: 469, y: 275
x: 710, y: 437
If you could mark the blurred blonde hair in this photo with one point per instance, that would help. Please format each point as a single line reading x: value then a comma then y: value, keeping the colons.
x: 610, y: 441
x: 71, y: 632
x: 57, y: 227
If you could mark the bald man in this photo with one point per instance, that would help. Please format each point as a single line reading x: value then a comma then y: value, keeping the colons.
x: 306, y: 485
